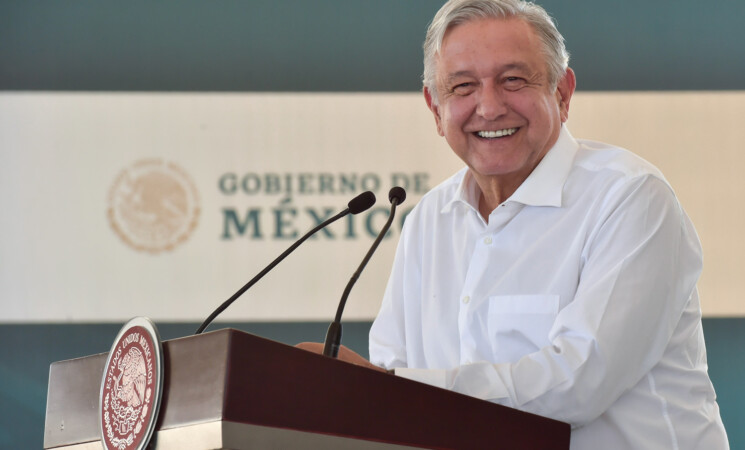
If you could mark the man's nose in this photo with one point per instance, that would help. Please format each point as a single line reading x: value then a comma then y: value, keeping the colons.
x: 491, y: 104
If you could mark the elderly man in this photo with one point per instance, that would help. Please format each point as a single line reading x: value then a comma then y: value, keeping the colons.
x: 552, y: 275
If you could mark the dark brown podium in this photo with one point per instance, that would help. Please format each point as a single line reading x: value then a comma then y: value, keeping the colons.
x: 229, y: 389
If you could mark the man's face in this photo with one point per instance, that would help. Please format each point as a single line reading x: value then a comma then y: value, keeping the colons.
x: 496, y: 107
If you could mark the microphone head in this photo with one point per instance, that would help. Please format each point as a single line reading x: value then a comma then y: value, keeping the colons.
x: 362, y: 202
x: 398, y: 193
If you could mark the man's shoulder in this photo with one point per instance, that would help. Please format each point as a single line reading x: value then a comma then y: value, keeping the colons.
x: 613, y: 173
x: 612, y: 160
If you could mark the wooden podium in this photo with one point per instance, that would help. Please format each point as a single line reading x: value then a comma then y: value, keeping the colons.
x: 230, y: 389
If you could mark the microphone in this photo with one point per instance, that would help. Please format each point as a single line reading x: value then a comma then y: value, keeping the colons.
x: 358, y: 204
x: 396, y: 196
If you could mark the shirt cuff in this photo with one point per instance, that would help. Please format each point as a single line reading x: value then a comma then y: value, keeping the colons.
x: 432, y: 377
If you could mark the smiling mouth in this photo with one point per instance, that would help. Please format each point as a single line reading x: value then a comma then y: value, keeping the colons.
x: 497, y: 133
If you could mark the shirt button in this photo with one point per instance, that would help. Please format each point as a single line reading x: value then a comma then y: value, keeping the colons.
x: 487, y: 240
x: 466, y: 299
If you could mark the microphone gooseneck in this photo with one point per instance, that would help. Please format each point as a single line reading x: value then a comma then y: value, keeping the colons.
x: 396, y: 195
x: 358, y: 204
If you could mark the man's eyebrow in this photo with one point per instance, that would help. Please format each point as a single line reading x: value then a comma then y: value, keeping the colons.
x: 516, y: 66
x: 459, y: 74
x: 467, y: 73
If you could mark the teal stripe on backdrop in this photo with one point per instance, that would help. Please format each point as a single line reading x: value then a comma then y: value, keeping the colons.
x: 341, y: 45
x: 27, y: 351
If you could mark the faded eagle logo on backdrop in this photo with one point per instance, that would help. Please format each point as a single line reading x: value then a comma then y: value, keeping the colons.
x: 153, y: 205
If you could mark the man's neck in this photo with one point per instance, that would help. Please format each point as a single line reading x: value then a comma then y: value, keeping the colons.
x: 494, y: 191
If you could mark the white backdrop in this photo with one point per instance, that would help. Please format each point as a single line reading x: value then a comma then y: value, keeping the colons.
x: 223, y: 161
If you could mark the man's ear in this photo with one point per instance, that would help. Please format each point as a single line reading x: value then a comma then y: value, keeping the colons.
x: 564, y: 91
x: 435, y: 110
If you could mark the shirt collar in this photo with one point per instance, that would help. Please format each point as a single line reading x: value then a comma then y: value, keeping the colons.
x: 544, y: 185
x: 467, y: 193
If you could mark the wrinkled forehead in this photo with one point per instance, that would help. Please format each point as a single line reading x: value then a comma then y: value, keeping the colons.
x: 510, y: 33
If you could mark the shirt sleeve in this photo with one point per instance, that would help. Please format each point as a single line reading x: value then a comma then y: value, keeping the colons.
x: 640, y: 265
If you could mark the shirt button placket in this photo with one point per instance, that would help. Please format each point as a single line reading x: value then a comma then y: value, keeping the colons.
x: 463, y: 315
x: 466, y: 340
x: 467, y: 301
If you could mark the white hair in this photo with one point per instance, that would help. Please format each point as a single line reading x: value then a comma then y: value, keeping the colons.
x: 456, y: 12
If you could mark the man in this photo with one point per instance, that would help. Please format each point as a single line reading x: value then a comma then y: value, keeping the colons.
x: 551, y: 275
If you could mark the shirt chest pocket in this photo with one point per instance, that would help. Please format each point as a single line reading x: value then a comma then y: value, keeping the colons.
x: 519, y: 324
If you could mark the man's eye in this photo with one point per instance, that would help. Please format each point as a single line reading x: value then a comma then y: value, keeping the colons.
x: 513, y: 83
x: 463, y: 88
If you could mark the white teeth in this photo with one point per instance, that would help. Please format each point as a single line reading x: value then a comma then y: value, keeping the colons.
x: 498, y: 133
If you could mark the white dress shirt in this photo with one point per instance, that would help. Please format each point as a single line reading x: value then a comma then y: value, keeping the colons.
x: 576, y: 301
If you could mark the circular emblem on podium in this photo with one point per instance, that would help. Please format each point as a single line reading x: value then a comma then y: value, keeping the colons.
x: 131, y: 387
x: 153, y: 205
